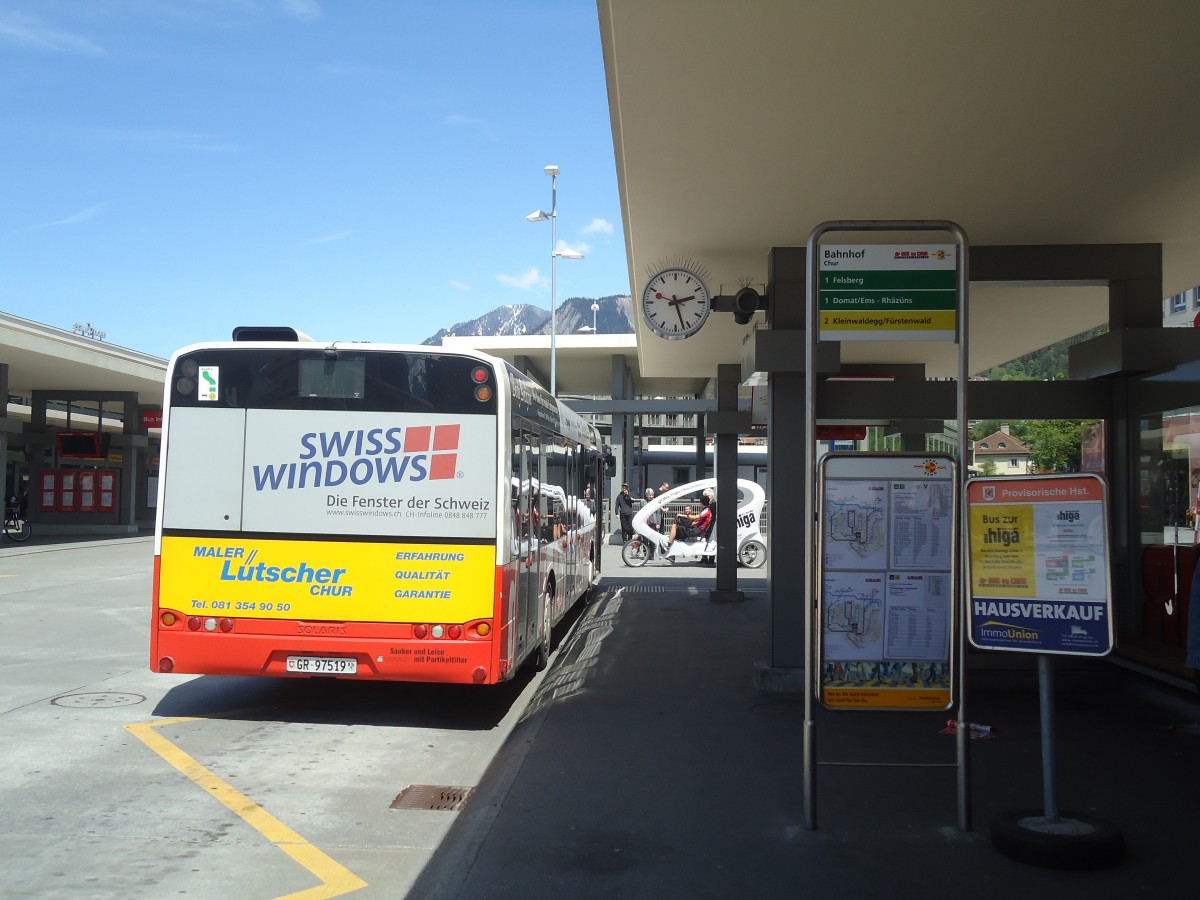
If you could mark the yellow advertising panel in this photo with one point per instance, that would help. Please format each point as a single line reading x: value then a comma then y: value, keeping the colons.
x: 1002, y: 551
x: 344, y: 581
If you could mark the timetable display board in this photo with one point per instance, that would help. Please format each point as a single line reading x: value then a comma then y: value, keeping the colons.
x: 1038, y: 566
x: 886, y: 580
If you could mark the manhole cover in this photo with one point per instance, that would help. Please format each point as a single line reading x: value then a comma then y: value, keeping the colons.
x: 103, y: 699
x: 433, y: 796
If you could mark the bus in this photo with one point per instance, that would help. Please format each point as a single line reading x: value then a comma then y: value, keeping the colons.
x: 366, y: 511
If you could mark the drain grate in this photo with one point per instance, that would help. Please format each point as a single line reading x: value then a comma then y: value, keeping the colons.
x: 443, y: 797
x: 98, y: 700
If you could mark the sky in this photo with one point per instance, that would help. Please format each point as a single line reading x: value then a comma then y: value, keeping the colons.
x: 358, y: 169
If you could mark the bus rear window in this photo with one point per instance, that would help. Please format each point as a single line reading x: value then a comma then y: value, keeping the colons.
x: 341, y: 377
x: 351, y: 379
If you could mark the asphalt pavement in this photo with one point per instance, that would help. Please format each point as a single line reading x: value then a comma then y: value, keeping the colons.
x: 647, y: 766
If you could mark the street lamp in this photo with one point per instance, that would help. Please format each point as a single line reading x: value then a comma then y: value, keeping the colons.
x: 595, y: 309
x: 566, y: 253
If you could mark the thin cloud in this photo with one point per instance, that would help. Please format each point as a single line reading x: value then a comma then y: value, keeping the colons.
x: 301, y: 10
x: 581, y: 246
x: 598, y: 226
x: 163, y: 138
x: 459, y: 286
x: 328, y: 238
x: 82, y: 216
x: 32, y: 32
x: 526, y: 281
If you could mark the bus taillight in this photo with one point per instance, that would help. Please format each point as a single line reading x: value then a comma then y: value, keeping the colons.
x: 195, y: 623
x: 483, y: 391
x: 454, y: 632
x: 419, y: 631
x: 166, y: 664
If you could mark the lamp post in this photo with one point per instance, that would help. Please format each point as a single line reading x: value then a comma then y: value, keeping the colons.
x: 567, y: 253
x: 595, y: 309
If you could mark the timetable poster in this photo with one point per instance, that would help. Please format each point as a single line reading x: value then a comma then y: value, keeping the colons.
x: 1038, y: 564
x: 886, y: 580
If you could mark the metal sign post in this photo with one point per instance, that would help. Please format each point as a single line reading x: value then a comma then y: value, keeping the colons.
x: 889, y: 292
x: 1039, y: 576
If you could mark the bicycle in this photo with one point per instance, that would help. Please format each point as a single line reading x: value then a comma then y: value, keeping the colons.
x: 16, y: 526
x: 636, y: 551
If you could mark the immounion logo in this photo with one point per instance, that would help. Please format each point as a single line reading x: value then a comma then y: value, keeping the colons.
x: 994, y: 630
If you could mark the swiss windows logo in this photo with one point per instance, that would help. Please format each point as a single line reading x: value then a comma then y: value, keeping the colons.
x: 441, y: 442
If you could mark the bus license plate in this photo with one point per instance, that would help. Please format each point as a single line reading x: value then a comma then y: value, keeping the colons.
x: 322, y: 665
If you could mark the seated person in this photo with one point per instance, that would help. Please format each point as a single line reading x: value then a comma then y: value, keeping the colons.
x: 688, y: 526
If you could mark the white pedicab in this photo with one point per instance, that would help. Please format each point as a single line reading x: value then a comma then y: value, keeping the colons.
x: 751, y: 543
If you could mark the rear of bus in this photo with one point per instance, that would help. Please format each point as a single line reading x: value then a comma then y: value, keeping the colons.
x: 329, y: 511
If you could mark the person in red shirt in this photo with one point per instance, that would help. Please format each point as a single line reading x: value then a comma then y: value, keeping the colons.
x: 688, y: 525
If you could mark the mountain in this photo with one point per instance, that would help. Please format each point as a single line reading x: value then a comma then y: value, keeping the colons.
x: 615, y: 316
x: 519, y: 318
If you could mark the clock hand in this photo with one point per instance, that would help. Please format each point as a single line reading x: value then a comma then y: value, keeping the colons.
x: 682, y: 324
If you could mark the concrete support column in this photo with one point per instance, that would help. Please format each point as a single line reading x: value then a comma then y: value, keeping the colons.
x: 725, y: 459
x: 622, y: 437
x: 8, y: 488
x: 787, y: 548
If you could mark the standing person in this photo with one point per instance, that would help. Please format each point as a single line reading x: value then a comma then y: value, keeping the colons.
x: 654, y: 519
x: 1193, y: 632
x: 625, y: 512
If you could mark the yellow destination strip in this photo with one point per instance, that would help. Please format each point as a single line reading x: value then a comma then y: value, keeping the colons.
x: 890, y: 320
x: 344, y: 581
x: 890, y: 698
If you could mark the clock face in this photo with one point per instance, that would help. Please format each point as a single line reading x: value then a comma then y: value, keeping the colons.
x: 675, y: 303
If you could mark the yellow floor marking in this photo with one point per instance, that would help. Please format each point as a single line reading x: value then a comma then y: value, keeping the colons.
x: 335, y: 878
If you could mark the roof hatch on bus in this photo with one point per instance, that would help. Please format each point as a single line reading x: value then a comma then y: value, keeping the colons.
x: 269, y: 333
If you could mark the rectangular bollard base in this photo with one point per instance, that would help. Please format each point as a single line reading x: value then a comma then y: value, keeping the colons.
x: 773, y: 682
x: 718, y: 596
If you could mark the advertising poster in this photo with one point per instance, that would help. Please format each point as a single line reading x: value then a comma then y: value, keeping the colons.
x: 370, y: 473
x: 1038, y: 564
x: 344, y: 581
x: 886, y: 576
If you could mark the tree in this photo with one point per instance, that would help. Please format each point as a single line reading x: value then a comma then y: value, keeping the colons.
x: 1048, y: 364
x: 1056, y: 444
